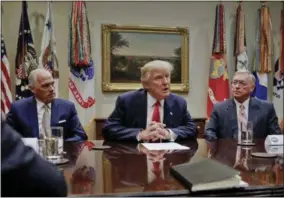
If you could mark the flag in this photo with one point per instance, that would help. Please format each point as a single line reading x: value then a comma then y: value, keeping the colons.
x: 263, y: 53
x: 26, y: 58
x: 48, y: 58
x: 82, y: 71
x: 218, y: 89
x: 6, y: 94
x: 261, y: 83
x: 240, y: 40
x: 278, y: 80
x: 278, y: 89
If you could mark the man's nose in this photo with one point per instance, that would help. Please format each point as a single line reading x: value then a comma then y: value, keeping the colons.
x: 51, y: 88
x: 166, y: 80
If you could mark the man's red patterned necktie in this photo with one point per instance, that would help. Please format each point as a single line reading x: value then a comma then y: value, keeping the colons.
x: 156, y: 112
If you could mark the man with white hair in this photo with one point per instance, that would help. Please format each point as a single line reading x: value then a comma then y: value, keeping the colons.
x: 152, y: 113
x: 226, y: 116
x: 34, y: 116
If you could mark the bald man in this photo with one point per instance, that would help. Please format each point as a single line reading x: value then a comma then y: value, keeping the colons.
x: 34, y: 115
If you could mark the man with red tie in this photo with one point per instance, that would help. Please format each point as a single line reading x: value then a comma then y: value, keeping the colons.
x: 152, y: 113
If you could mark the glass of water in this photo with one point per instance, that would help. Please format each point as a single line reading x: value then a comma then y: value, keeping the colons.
x: 54, y: 144
x: 246, y: 133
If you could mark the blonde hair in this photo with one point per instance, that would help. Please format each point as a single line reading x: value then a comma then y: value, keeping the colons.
x: 155, y: 64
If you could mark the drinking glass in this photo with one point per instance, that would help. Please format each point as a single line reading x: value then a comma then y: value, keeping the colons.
x: 246, y: 130
x: 54, y: 144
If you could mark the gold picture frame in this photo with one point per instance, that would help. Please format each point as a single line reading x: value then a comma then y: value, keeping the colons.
x: 121, y: 69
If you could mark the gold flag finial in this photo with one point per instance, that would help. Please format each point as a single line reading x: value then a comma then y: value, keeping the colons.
x: 263, y: 3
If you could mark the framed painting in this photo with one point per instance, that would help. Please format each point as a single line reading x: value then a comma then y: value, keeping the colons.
x: 125, y: 49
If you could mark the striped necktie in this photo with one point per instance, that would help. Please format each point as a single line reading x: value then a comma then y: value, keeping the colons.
x: 242, y: 118
x: 46, y: 121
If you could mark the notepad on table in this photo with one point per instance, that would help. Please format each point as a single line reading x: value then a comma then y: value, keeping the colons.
x: 165, y: 146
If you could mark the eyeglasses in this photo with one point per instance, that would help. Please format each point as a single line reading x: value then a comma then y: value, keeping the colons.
x: 241, y: 83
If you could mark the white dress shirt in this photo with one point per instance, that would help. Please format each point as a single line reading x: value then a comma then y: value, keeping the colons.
x: 150, y: 109
x: 246, y: 105
x: 40, y: 112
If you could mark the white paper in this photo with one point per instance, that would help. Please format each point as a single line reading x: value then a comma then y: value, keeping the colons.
x: 165, y: 146
x: 31, y: 142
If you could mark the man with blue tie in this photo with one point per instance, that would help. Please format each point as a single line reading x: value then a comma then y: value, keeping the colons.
x: 34, y: 116
x: 227, y: 115
x: 151, y: 113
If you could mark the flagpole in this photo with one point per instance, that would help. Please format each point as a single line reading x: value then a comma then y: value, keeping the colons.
x: 51, y: 38
x: 22, y: 32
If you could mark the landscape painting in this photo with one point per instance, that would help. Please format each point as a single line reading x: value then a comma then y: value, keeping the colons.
x: 127, y: 48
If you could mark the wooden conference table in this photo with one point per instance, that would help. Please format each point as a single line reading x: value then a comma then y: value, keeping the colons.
x: 123, y: 170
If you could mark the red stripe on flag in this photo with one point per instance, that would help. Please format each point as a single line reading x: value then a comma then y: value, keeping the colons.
x: 6, y: 74
x: 3, y: 107
x: 4, y: 92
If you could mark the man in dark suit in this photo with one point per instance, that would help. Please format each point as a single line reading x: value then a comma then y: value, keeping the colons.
x: 226, y: 116
x: 152, y: 113
x: 33, y: 116
x: 25, y: 173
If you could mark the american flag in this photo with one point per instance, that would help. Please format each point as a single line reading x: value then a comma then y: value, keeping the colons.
x: 26, y: 58
x: 6, y: 95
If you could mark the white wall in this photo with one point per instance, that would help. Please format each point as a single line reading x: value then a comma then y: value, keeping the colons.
x: 197, y: 16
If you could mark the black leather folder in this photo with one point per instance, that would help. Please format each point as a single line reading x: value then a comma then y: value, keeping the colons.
x: 206, y: 174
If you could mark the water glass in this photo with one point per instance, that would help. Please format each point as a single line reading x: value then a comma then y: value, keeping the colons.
x: 246, y: 130
x: 54, y: 144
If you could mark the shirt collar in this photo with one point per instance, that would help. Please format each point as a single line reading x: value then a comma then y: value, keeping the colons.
x: 151, y: 100
x: 245, y: 103
x: 40, y: 104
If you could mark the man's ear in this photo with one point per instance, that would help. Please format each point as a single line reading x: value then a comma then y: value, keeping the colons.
x: 144, y: 83
x: 252, y: 88
x: 31, y: 88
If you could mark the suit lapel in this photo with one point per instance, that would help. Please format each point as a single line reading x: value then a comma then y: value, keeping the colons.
x: 232, y: 114
x: 253, y: 111
x: 167, y: 111
x: 142, y: 109
x: 33, y: 118
x: 54, y: 113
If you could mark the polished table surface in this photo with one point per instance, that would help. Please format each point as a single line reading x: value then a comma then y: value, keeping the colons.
x: 126, y: 169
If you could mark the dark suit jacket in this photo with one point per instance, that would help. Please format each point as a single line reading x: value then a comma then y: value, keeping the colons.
x: 23, y: 118
x: 130, y: 114
x: 223, y: 121
x: 23, y: 172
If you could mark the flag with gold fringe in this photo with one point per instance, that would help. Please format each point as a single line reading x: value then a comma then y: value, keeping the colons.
x: 26, y: 58
x: 48, y: 58
x: 262, y: 61
x: 240, y: 40
x: 278, y: 80
x: 218, y: 86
